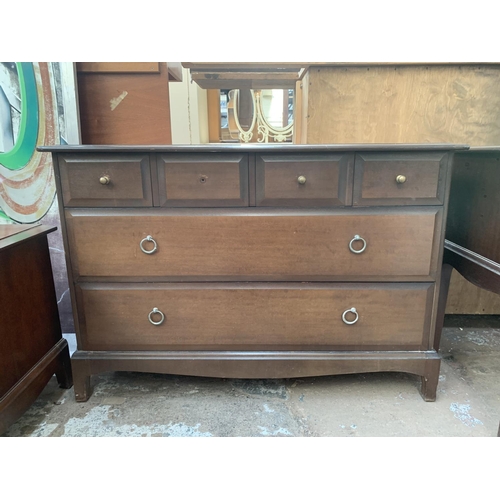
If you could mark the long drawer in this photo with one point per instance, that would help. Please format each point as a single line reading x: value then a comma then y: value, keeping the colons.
x: 254, y: 316
x: 255, y: 244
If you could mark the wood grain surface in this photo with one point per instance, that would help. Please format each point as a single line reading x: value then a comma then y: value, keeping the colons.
x: 29, y: 321
x: 129, y: 180
x: 194, y: 180
x: 328, y: 179
x: 245, y: 316
x: 118, y: 67
x: 404, y: 104
x: 256, y: 244
x: 473, y: 222
x: 259, y: 291
x: 31, y: 344
x: 125, y: 108
x: 375, y: 177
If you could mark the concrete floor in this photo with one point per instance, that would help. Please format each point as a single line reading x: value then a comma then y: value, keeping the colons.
x: 380, y: 404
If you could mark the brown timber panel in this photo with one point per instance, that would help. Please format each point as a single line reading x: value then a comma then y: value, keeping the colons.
x: 129, y: 180
x: 118, y: 67
x: 375, y: 179
x: 404, y: 104
x: 466, y: 298
x: 125, y: 108
x: 473, y: 222
x: 328, y: 179
x: 194, y: 180
x: 230, y: 317
x: 255, y: 244
x: 29, y: 320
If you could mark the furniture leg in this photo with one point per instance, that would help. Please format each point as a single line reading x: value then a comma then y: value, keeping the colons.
x: 81, y: 380
x: 430, y: 380
x: 443, y: 295
x: 64, y: 374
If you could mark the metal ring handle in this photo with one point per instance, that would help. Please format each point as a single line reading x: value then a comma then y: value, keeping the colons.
x: 148, y: 238
x: 357, y: 237
x: 352, y: 310
x: 156, y: 311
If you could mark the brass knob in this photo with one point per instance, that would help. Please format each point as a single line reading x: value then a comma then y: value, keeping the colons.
x: 104, y: 180
x: 401, y: 179
x: 301, y: 180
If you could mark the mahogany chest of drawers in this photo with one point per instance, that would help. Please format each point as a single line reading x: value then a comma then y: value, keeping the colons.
x: 32, y: 348
x: 253, y: 261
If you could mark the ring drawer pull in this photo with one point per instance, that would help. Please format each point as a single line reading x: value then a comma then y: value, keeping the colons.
x: 156, y: 311
x: 401, y: 179
x: 352, y: 310
x: 301, y: 180
x: 148, y: 238
x: 357, y: 237
x: 104, y: 180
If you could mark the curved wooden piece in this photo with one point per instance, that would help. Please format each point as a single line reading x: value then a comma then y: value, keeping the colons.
x: 472, y: 243
x: 256, y: 365
x: 21, y: 396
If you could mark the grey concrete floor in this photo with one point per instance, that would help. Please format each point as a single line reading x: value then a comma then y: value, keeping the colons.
x: 379, y: 404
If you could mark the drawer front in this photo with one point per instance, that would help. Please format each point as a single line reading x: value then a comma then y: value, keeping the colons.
x: 105, y: 180
x: 245, y: 317
x: 319, y: 180
x: 197, y: 180
x: 255, y: 244
x: 400, y: 179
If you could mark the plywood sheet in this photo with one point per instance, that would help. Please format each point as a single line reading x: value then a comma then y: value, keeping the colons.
x: 398, y: 104
x: 118, y: 67
x: 466, y: 298
x: 125, y: 108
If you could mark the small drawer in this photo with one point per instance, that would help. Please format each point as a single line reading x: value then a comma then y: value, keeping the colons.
x: 260, y: 316
x: 202, y: 180
x: 304, y: 180
x: 400, y: 179
x: 105, y: 180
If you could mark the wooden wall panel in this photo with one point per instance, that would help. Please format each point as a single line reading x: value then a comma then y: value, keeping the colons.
x: 297, y: 113
x: 303, y: 117
x: 213, y: 110
x: 413, y: 104
x: 118, y: 67
x: 125, y: 108
x: 466, y: 298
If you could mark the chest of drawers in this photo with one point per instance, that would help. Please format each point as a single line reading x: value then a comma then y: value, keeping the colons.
x: 250, y: 261
x: 32, y: 348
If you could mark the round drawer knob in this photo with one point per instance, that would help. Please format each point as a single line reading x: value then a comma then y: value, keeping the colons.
x: 105, y: 180
x: 353, y: 311
x: 357, y: 237
x: 157, y: 312
x: 401, y: 179
x: 301, y: 179
x: 148, y: 238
